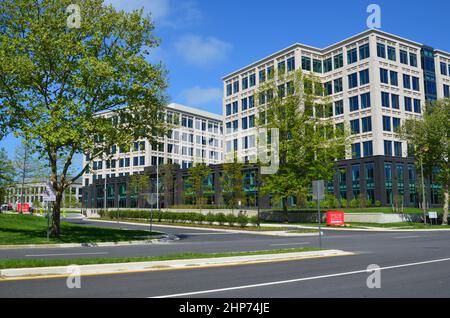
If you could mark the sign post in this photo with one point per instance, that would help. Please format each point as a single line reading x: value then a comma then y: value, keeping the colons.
x: 318, y: 188
x: 48, y: 196
x: 432, y: 215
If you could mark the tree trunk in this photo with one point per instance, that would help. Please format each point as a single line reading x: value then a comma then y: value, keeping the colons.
x: 285, y: 210
x: 56, y: 215
x: 446, y: 199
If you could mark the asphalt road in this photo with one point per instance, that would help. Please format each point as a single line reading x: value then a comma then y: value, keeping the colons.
x: 413, y: 264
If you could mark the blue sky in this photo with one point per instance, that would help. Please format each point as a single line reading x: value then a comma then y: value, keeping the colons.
x: 203, y: 40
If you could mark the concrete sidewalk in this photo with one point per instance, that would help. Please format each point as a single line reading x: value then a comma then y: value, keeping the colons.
x: 102, y: 269
x: 360, y: 229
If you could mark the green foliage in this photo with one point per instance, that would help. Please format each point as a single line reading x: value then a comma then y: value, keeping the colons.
x: 430, y: 137
x: 7, y: 174
x: 378, y: 203
x: 242, y: 220
x: 198, y: 175
x: 232, y: 180
x: 344, y: 203
x: 56, y: 79
x: 354, y: 203
x: 308, y: 143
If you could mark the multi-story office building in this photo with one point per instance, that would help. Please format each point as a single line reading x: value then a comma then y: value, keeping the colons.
x: 197, y: 135
x: 375, y: 81
x: 33, y: 193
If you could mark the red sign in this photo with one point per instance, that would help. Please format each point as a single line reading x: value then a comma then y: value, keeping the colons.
x: 335, y: 218
x: 25, y: 207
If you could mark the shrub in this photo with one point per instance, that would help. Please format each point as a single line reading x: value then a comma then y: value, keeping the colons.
x: 253, y: 220
x: 354, y: 203
x: 242, y: 219
x: 231, y: 219
x: 344, y: 203
x: 362, y: 201
x: 378, y: 203
x: 221, y: 218
x: 369, y: 203
x: 210, y: 218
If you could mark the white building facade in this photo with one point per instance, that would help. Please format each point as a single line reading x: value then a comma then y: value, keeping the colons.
x: 197, y: 136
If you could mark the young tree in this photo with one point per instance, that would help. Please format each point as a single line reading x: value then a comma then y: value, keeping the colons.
x: 233, y: 182
x: 57, y: 77
x: 198, y: 175
x: 308, y: 144
x: 139, y: 184
x: 167, y: 172
x: 7, y: 173
x: 431, y: 139
x: 28, y: 166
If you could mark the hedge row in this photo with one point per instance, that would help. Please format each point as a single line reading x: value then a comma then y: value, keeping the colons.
x: 182, y: 217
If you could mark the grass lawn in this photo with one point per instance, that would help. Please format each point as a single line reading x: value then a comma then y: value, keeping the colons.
x: 27, y: 229
x: 12, y: 263
x: 397, y: 225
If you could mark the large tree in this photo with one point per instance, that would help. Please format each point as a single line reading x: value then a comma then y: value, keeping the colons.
x: 232, y: 180
x: 56, y: 77
x: 198, y: 175
x: 294, y: 104
x: 431, y: 139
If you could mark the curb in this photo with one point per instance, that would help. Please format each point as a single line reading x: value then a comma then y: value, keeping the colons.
x: 273, y: 233
x: 369, y: 229
x: 121, y: 268
x: 156, y: 240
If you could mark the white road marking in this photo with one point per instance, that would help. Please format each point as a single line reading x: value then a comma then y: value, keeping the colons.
x: 405, y: 237
x: 68, y: 254
x: 298, y: 279
x: 302, y: 243
x: 195, y: 233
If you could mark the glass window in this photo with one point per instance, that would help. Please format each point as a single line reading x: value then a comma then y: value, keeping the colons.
x: 381, y: 50
x: 281, y: 67
x: 395, y: 101
x: 229, y: 89
x: 384, y: 76
x: 352, y: 56
x: 356, y: 150
x: 354, y: 125
x: 352, y: 80
x: 446, y: 91
x: 327, y: 65
x: 397, y: 149
x: 391, y: 53
x: 338, y: 107
x: 364, y: 51
x: 262, y: 76
x: 394, y: 78
x: 388, y: 148
x: 403, y: 57
x: 365, y: 100
x: 354, y: 103
x: 396, y: 123
x: 366, y: 124
x: 443, y: 68
x: 408, y: 104
x: 385, y: 99
x: 368, y: 148
x: 317, y: 66
x: 338, y: 61
x: 338, y: 85
x: 291, y: 64
x: 417, y: 106
x: 245, y: 83
x: 406, y: 81
x: 387, y: 123
x: 413, y: 59
x: 252, y: 80
x: 364, y: 77
x: 328, y: 88
x: 244, y: 104
x: 306, y: 63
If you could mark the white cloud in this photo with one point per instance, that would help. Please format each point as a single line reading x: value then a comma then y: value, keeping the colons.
x: 201, y: 96
x: 165, y: 12
x: 202, y: 51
